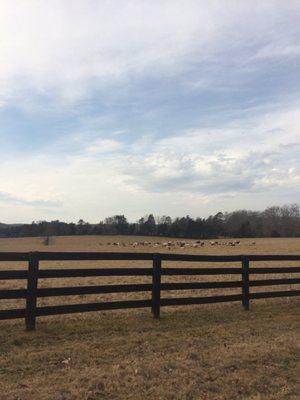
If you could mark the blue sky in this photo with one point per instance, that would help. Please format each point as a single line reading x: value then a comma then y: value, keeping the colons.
x: 137, y: 107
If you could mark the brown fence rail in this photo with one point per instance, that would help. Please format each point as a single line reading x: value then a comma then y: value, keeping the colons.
x: 33, y: 273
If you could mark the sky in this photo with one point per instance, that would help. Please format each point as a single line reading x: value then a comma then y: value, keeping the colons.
x: 137, y: 107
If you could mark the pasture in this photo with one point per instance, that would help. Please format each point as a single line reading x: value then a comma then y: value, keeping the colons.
x: 192, y: 352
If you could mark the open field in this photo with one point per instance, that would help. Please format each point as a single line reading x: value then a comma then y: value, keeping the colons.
x: 100, y: 243
x: 196, y: 352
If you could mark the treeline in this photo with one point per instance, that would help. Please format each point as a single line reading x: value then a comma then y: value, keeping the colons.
x: 272, y: 222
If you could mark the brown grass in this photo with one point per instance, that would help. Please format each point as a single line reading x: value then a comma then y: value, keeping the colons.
x: 198, y: 352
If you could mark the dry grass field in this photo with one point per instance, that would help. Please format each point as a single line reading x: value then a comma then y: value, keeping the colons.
x: 200, y: 352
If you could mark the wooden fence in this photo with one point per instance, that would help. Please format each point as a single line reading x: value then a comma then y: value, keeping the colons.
x: 33, y: 273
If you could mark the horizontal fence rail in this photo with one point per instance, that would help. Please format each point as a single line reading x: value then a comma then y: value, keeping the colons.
x: 33, y: 273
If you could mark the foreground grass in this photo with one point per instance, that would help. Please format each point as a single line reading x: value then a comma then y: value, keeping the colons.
x: 206, y: 352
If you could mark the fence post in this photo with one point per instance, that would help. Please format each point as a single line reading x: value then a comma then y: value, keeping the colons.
x: 245, y: 281
x: 31, y: 297
x: 156, y: 279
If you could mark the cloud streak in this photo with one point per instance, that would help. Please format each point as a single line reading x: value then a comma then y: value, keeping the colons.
x: 66, y: 52
x: 15, y: 200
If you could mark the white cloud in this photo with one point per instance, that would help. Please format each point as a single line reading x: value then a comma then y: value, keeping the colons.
x: 67, y: 50
x: 194, y: 172
x: 100, y: 146
x: 260, y: 156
